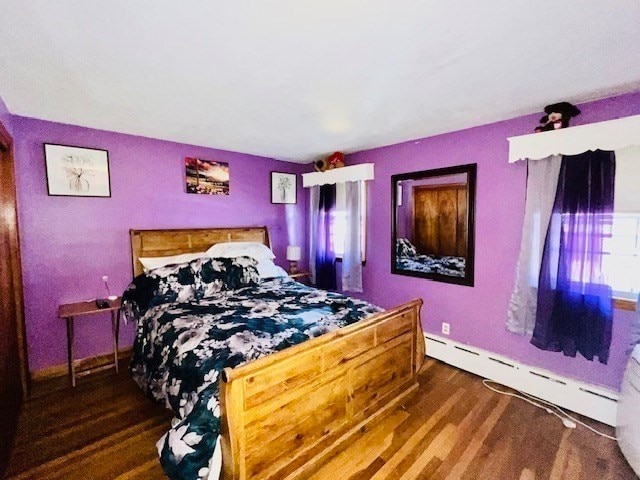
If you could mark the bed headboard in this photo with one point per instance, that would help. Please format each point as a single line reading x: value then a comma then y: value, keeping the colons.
x: 161, y: 243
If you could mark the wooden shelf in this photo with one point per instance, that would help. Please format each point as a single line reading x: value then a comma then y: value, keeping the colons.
x: 300, y: 275
x: 87, y: 308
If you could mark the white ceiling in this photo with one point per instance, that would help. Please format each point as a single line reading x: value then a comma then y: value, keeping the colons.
x: 297, y: 79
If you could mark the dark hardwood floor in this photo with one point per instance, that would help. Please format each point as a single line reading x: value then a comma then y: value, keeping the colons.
x: 104, y: 428
x: 454, y: 428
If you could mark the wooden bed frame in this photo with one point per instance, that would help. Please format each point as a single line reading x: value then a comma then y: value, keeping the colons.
x: 284, y: 414
x: 163, y: 243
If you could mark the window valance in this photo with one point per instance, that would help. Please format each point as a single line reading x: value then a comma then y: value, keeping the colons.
x: 353, y: 173
x: 610, y: 135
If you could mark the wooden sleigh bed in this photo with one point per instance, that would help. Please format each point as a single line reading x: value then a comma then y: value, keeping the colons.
x: 284, y: 414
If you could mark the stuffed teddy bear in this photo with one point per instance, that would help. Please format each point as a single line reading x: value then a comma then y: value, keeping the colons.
x: 557, y: 116
x: 335, y: 160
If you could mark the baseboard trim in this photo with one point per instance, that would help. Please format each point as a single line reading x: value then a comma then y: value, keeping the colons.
x: 592, y: 401
x: 89, y: 363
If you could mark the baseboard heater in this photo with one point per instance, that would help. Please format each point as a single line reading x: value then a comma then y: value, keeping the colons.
x: 591, y: 401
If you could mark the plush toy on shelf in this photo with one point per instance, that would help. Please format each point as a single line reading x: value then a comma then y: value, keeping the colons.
x: 335, y: 160
x: 557, y: 116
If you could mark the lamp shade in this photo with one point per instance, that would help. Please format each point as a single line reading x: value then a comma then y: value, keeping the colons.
x: 294, y: 253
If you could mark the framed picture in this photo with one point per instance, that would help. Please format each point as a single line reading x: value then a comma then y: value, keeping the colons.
x: 207, y: 177
x: 77, y: 171
x: 283, y: 187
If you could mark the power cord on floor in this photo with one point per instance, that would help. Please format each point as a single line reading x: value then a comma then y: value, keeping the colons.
x: 567, y: 420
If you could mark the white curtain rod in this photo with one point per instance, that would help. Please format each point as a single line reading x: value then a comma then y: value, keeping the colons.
x: 610, y: 135
x: 353, y: 173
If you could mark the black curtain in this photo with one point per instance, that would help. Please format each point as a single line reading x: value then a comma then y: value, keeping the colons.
x: 325, y: 256
x: 575, y: 305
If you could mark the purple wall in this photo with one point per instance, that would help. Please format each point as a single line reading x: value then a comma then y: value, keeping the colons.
x: 68, y: 243
x: 477, y: 315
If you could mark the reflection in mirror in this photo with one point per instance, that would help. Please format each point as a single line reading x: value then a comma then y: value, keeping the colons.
x: 433, y: 214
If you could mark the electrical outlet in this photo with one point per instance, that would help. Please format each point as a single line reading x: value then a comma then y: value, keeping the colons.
x: 445, y: 328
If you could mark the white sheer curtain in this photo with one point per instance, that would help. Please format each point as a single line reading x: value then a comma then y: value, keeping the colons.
x: 352, y: 256
x: 314, y: 202
x: 542, y: 181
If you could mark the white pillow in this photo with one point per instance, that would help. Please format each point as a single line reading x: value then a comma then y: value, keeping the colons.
x: 256, y: 250
x: 151, y: 263
x: 268, y: 269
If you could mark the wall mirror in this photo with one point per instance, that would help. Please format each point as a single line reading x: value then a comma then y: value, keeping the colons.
x: 433, y: 224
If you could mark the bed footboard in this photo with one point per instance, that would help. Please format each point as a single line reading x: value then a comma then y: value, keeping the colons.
x: 284, y: 413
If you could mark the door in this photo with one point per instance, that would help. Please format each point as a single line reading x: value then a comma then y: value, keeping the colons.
x: 440, y: 219
x: 13, y: 366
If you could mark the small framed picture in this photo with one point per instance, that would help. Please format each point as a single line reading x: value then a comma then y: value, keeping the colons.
x: 207, y: 177
x: 283, y: 187
x: 77, y: 171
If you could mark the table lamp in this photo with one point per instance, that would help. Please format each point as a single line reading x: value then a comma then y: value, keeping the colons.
x: 294, y: 254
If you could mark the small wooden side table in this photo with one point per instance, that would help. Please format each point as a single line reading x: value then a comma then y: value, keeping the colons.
x: 300, y: 275
x: 69, y: 311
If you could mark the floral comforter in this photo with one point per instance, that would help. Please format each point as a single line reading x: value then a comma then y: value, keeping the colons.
x: 408, y: 258
x: 443, y: 265
x: 181, y: 348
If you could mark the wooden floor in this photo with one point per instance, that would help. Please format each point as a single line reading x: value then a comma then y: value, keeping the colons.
x: 453, y: 429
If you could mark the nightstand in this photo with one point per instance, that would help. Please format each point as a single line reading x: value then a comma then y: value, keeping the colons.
x: 68, y: 313
x: 299, y: 276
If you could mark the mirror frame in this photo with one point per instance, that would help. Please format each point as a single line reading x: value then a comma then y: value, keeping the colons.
x: 471, y: 171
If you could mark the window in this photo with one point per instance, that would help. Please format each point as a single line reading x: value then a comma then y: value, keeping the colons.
x: 620, y: 252
x: 621, y: 242
x: 621, y: 262
x: 621, y: 234
x: 340, y: 224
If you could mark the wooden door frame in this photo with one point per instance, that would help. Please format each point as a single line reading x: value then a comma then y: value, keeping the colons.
x: 6, y: 145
